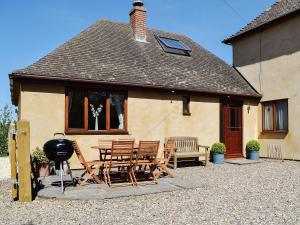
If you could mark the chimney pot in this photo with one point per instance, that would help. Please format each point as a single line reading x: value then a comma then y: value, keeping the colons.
x: 138, y: 3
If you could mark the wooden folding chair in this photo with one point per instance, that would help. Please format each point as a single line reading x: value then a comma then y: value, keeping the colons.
x: 103, y: 153
x: 146, y: 157
x: 162, y: 164
x: 90, y: 167
x: 123, y: 150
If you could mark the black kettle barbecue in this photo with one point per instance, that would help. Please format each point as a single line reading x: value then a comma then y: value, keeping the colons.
x: 60, y: 150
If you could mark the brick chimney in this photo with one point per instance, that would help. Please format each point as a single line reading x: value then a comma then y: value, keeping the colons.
x: 138, y: 20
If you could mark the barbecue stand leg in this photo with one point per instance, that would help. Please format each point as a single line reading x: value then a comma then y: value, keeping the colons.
x: 61, y: 177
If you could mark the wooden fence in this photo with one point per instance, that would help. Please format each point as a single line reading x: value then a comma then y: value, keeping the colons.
x: 19, y: 152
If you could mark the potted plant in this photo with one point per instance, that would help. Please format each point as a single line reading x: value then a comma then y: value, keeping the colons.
x: 41, y: 162
x: 252, y: 149
x: 218, y: 149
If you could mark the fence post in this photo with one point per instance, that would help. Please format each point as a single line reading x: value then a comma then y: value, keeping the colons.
x: 24, y: 164
x: 12, y: 157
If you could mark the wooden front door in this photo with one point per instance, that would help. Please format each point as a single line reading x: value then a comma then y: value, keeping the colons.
x: 233, y: 128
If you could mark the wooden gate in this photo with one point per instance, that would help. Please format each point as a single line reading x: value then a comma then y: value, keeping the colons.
x: 19, y: 153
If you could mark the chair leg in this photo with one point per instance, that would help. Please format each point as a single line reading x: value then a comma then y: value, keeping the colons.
x: 165, y: 169
x: 133, y: 175
x: 105, y: 177
x: 175, y: 162
x: 206, y: 159
x: 129, y: 173
x: 108, y: 178
x: 97, y: 178
x: 152, y: 174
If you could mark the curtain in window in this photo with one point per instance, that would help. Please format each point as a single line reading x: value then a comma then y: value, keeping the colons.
x: 281, y: 115
x: 76, y: 109
x: 117, y: 111
x: 268, y: 117
x: 70, y: 99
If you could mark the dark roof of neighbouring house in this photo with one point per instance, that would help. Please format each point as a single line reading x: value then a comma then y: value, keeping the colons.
x: 277, y: 11
x: 107, y: 52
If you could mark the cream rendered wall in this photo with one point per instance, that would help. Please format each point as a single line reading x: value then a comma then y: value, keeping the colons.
x: 151, y: 116
x: 250, y: 122
x: 270, y: 61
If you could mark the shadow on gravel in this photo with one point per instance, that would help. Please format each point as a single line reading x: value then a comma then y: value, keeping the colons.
x: 35, y: 182
x: 189, y: 164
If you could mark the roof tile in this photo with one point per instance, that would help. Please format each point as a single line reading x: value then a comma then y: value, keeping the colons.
x: 107, y: 51
x: 278, y: 10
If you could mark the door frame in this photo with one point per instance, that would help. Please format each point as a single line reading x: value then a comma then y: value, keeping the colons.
x: 238, y: 102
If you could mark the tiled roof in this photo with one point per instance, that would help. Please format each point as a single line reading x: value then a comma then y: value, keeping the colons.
x: 278, y: 10
x: 107, y: 52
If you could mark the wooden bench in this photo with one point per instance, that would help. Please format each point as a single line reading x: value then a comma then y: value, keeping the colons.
x: 187, y: 148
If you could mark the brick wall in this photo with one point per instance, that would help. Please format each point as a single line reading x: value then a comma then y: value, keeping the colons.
x: 138, y: 17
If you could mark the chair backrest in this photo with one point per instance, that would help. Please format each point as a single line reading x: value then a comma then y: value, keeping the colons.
x: 127, y: 139
x: 148, y: 149
x: 79, y: 153
x: 122, y: 149
x: 170, y: 146
x: 185, y: 144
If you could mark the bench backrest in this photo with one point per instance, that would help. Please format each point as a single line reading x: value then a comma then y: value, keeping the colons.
x: 185, y: 144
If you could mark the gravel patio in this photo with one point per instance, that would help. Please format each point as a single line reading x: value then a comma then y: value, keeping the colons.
x: 264, y: 193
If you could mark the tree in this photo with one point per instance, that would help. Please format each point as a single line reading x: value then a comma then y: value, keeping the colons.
x: 6, y: 117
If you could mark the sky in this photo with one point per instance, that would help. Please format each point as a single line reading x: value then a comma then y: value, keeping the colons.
x: 30, y: 29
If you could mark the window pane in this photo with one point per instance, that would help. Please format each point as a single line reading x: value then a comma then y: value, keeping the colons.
x: 234, y: 119
x: 97, y: 110
x: 186, y: 105
x: 76, y: 109
x: 268, y: 116
x: 117, y: 111
x: 281, y: 115
x: 171, y: 43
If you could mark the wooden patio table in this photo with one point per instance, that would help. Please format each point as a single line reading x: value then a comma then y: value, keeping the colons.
x: 105, y: 149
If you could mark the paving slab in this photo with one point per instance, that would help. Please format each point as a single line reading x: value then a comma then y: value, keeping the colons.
x: 97, y: 192
x: 243, y: 161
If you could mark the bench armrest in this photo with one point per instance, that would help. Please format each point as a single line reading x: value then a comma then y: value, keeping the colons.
x: 206, y: 153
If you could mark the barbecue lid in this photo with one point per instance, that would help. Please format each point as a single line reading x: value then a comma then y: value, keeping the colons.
x: 58, y: 149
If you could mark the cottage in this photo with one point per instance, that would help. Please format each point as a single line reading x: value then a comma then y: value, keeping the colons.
x: 117, y: 80
x: 267, y: 53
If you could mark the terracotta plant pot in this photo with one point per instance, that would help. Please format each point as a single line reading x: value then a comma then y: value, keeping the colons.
x: 44, y: 170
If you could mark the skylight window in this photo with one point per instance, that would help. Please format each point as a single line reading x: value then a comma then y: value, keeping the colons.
x: 172, y: 43
x: 174, y: 46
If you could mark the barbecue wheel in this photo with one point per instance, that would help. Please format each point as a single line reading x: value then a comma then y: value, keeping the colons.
x: 74, y: 182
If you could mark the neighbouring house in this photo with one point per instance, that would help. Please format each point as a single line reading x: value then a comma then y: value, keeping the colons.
x: 117, y: 80
x: 267, y: 53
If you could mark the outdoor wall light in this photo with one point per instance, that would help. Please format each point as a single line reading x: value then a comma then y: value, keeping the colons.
x: 173, y: 92
x: 248, y: 109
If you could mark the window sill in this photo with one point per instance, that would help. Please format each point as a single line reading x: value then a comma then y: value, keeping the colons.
x: 99, y: 132
x: 274, y: 132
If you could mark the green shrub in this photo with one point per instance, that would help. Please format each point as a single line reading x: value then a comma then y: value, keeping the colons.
x: 253, y: 145
x: 6, y: 117
x: 39, y: 157
x: 218, y: 148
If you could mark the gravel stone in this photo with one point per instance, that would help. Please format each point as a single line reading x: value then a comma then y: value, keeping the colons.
x: 265, y: 193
